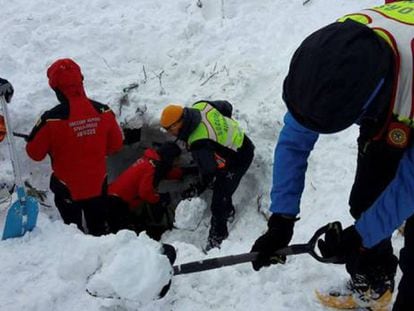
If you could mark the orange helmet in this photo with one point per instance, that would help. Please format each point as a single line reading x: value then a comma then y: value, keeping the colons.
x: 171, y: 115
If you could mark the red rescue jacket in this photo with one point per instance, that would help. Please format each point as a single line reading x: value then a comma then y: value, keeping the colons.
x: 136, y: 184
x: 78, y: 134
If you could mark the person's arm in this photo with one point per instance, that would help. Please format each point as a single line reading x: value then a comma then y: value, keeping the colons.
x: 38, y: 144
x: 392, y: 207
x: 146, y: 189
x: 203, y: 154
x: 289, y: 166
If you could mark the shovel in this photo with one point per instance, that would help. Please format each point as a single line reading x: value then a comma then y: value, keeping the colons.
x: 218, y: 262
x: 22, y: 214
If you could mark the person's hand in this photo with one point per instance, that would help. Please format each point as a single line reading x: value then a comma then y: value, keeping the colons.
x: 340, y: 243
x: 278, y: 235
x: 6, y: 90
x: 194, y: 190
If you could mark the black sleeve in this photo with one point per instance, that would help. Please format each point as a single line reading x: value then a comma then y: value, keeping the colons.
x: 59, y: 112
x: 203, y: 154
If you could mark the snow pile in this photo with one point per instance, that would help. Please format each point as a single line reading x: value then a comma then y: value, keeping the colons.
x: 59, y: 261
x: 189, y: 213
x: 132, y: 269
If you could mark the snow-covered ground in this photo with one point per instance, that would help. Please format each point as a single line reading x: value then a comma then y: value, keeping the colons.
x: 170, y: 51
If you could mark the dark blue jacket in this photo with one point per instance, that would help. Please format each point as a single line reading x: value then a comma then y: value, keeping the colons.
x: 388, y: 212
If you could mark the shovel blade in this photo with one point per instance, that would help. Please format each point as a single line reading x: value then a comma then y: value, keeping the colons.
x: 21, y: 217
x: 13, y: 226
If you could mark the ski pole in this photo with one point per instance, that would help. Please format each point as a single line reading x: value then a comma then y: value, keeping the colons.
x: 218, y: 262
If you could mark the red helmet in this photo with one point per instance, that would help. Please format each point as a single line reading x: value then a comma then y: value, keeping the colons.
x: 64, y: 73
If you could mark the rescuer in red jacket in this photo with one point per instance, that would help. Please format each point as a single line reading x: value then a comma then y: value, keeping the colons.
x: 138, y: 186
x: 77, y: 134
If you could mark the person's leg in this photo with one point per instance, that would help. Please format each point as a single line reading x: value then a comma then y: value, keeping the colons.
x: 119, y: 215
x: 220, y: 203
x: 238, y: 168
x: 405, y: 297
x: 373, y: 270
x: 155, y: 219
x: 70, y: 211
x: 226, y: 183
x: 377, y: 164
x: 376, y: 167
x: 96, y: 214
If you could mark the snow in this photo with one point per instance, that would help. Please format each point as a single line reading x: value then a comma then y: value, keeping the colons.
x: 169, y: 51
x: 189, y: 213
x: 49, y: 268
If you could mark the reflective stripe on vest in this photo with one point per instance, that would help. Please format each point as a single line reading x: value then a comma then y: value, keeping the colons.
x: 216, y: 127
x: 394, y: 22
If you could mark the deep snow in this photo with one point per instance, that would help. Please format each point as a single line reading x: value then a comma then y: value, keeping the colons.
x: 170, y: 51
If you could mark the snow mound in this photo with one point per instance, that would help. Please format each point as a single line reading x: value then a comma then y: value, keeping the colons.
x: 189, y: 213
x: 133, y: 270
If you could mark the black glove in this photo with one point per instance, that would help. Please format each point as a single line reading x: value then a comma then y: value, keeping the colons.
x: 6, y: 90
x: 165, y: 199
x: 340, y: 243
x: 194, y: 190
x: 278, y: 235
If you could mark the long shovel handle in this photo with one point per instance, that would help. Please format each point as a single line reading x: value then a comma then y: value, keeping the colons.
x: 12, y: 149
x: 213, y: 263
x: 218, y: 262
x: 21, y: 135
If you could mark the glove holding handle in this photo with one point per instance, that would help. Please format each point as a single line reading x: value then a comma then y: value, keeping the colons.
x: 340, y: 243
x: 278, y: 235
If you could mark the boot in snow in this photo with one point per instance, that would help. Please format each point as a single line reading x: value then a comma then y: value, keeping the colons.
x: 357, y: 294
x: 218, y: 233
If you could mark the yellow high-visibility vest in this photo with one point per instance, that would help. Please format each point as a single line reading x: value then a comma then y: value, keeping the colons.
x: 394, y: 22
x: 216, y: 127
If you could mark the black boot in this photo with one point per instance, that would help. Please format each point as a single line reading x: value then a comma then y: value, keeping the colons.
x: 218, y: 233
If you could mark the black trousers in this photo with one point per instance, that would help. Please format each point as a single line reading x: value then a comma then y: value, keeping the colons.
x: 225, y: 185
x: 94, y: 209
x: 119, y: 214
x: 376, y: 167
x: 152, y: 218
x: 405, y: 297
